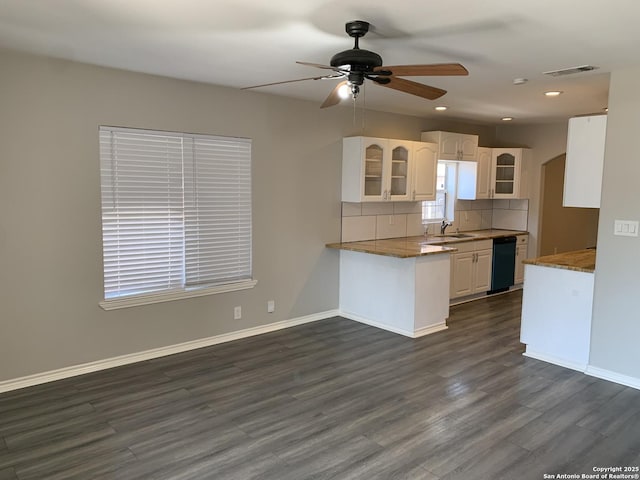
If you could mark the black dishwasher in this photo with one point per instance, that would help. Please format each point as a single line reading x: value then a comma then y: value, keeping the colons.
x: 503, y: 265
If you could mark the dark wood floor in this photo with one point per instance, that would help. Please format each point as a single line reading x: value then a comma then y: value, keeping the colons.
x: 329, y: 400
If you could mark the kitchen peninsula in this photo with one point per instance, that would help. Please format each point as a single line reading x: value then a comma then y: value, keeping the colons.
x: 400, y: 284
x: 556, y: 308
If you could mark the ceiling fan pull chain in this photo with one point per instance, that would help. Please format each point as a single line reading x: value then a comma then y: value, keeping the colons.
x: 364, y: 101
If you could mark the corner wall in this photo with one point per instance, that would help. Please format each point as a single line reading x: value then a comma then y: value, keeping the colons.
x: 616, y: 305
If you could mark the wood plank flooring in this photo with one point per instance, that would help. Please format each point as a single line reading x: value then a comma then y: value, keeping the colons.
x: 329, y: 400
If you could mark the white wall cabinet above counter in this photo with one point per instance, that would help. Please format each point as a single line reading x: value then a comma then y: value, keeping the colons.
x: 497, y: 173
x: 474, y: 178
x: 382, y: 169
x: 585, y: 161
x: 510, y: 172
x: 453, y: 146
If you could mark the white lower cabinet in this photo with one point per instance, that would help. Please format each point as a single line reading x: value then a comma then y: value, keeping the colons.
x: 471, y: 268
x: 521, y: 254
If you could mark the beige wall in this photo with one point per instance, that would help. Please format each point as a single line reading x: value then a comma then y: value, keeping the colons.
x: 547, y: 142
x: 563, y: 229
x: 50, y: 230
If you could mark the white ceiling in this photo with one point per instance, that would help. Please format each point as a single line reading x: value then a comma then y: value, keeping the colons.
x: 241, y: 43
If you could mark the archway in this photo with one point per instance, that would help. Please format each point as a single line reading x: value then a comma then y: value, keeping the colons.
x: 563, y: 229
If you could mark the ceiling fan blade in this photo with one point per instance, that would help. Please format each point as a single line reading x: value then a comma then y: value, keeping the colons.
x: 326, y: 67
x: 435, y: 69
x: 334, y: 96
x: 322, y: 77
x: 413, y: 88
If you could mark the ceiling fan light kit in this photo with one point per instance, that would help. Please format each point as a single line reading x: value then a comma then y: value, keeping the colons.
x: 356, y: 65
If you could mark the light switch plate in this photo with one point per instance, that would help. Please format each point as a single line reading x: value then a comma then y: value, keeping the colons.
x: 625, y: 228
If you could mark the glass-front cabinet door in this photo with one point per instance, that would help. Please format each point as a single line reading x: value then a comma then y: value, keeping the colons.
x: 399, y: 171
x: 376, y: 169
x: 505, y: 174
x: 373, y: 170
x: 506, y: 166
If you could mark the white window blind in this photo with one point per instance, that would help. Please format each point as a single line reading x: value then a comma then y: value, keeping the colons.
x: 176, y: 211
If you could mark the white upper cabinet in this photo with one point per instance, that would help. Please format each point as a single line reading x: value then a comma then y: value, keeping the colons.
x: 585, y: 161
x: 474, y: 178
x: 376, y: 169
x: 483, y: 179
x: 425, y: 165
x: 509, y: 172
x: 453, y: 146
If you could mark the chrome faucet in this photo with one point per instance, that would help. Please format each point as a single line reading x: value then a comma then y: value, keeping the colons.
x: 443, y: 226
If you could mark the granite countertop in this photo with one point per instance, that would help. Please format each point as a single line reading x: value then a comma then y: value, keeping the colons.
x: 579, y: 260
x: 407, y: 247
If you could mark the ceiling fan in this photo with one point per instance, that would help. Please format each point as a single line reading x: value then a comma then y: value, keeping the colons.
x: 356, y: 65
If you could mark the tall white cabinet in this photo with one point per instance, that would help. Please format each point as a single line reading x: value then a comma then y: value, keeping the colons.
x: 382, y: 169
x: 585, y: 161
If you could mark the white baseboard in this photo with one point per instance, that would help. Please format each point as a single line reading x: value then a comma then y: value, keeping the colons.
x: 601, y: 373
x: 59, y: 374
x: 580, y: 367
x: 430, y: 329
x: 632, y: 382
x: 407, y: 333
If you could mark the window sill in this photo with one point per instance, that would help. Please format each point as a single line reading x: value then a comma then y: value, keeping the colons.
x: 116, y: 303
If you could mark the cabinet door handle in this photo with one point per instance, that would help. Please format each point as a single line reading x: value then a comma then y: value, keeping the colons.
x: 414, y: 194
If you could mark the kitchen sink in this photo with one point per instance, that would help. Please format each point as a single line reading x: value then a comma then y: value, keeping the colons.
x: 455, y: 235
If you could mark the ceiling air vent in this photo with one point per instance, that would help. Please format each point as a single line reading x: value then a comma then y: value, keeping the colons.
x: 570, y: 71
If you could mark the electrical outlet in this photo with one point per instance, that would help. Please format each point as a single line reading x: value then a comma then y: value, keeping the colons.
x: 237, y: 313
x: 271, y: 306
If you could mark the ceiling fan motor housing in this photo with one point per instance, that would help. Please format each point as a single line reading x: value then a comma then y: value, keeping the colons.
x: 357, y: 59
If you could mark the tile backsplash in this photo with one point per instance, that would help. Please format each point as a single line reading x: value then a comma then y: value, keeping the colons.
x: 510, y: 214
x: 376, y: 220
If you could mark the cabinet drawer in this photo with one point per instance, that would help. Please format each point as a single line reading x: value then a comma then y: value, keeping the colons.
x: 472, y: 246
x: 464, y: 247
x: 483, y: 245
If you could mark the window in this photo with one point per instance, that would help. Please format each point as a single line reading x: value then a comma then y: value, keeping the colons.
x: 442, y: 208
x: 176, y: 215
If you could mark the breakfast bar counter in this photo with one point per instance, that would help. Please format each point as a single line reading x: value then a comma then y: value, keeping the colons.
x: 556, y: 308
x: 399, y: 285
x: 578, y: 261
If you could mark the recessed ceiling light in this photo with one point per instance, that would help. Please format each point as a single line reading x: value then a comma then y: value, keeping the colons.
x: 520, y: 81
x: 506, y: 119
x: 553, y: 93
x: 441, y: 108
